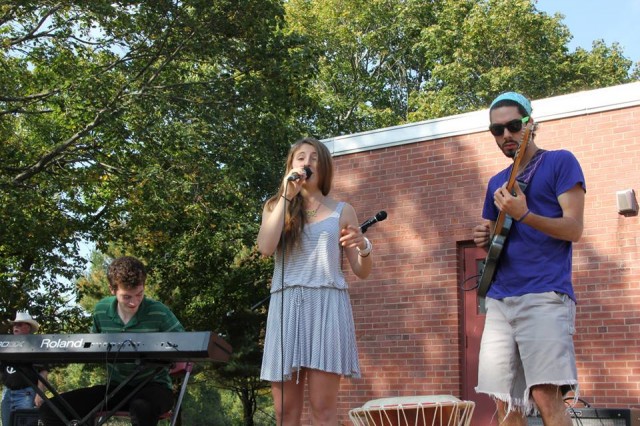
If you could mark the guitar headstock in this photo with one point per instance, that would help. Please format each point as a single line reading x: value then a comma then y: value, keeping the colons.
x: 529, y: 129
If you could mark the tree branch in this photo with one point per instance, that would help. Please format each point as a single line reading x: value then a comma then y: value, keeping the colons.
x: 58, y: 150
x: 31, y: 34
x: 28, y: 98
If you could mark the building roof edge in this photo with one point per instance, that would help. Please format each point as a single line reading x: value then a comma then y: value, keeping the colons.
x: 553, y: 108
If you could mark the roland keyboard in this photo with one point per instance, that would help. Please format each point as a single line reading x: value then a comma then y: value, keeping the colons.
x: 113, y: 347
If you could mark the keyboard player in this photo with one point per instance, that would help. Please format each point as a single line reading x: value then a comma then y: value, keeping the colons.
x: 127, y: 310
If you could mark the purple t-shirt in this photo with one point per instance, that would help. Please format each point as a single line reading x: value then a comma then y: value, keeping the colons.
x: 531, y: 261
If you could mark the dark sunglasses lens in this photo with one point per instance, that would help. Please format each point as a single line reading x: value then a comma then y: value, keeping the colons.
x: 513, y: 126
x: 496, y: 129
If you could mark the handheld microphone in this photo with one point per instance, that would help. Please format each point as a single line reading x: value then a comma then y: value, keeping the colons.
x: 379, y: 217
x: 296, y: 176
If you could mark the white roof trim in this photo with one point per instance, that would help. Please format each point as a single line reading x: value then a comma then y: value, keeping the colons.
x: 575, y: 104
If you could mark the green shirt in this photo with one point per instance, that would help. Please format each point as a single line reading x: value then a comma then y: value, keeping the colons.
x: 152, y: 316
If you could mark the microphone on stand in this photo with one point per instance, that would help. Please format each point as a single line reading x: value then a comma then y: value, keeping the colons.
x: 296, y: 175
x: 379, y: 217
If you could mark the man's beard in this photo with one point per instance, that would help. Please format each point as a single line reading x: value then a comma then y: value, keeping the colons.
x: 510, y: 153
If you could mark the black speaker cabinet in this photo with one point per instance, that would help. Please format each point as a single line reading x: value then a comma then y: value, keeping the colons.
x: 599, y: 417
x: 24, y: 417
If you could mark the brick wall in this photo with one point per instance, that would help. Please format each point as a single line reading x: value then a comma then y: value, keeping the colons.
x: 408, y: 312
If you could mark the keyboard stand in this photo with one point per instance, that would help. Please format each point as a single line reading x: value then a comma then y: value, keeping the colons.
x: 140, y: 368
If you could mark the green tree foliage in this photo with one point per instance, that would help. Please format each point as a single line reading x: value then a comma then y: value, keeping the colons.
x: 93, y: 285
x: 487, y: 47
x: 366, y: 62
x: 386, y: 62
x: 119, y: 116
x: 147, y: 126
x: 203, y: 405
x: 243, y: 288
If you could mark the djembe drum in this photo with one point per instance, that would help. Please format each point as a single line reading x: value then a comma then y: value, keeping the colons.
x: 433, y: 410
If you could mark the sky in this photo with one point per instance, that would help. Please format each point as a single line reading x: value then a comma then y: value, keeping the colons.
x: 589, y: 20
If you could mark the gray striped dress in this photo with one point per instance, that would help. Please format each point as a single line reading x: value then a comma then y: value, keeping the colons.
x: 318, y: 322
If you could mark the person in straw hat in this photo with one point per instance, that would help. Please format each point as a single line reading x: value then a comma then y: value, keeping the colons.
x: 17, y: 393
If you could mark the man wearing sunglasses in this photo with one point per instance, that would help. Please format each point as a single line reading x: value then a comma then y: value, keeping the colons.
x: 527, y: 357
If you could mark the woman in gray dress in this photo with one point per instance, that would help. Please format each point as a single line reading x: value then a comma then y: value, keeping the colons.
x: 310, y: 335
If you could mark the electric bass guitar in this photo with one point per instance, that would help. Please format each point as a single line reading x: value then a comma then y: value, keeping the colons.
x: 503, y: 222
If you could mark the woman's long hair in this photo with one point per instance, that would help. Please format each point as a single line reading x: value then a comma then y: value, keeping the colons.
x: 295, y: 218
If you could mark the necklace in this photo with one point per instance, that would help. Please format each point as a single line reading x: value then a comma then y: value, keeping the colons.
x: 312, y: 212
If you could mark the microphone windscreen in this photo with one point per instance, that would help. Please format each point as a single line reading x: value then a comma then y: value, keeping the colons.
x: 308, y: 171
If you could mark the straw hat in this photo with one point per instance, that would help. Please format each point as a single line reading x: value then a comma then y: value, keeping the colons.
x: 26, y: 318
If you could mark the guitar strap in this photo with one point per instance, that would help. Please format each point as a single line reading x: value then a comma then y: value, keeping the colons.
x: 530, y: 169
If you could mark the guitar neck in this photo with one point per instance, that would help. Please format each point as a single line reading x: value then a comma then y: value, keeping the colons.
x: 520, y: 153
x: 497, y: 229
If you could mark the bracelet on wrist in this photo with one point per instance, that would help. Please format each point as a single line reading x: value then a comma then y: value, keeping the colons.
x: 286, y: 198
x: 524, y: 215
x: 366, y: 251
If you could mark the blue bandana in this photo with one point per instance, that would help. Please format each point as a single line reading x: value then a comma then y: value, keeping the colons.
x: 516, y: 97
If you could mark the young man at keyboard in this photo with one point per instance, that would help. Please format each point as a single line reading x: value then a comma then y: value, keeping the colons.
x: 126, y: 311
